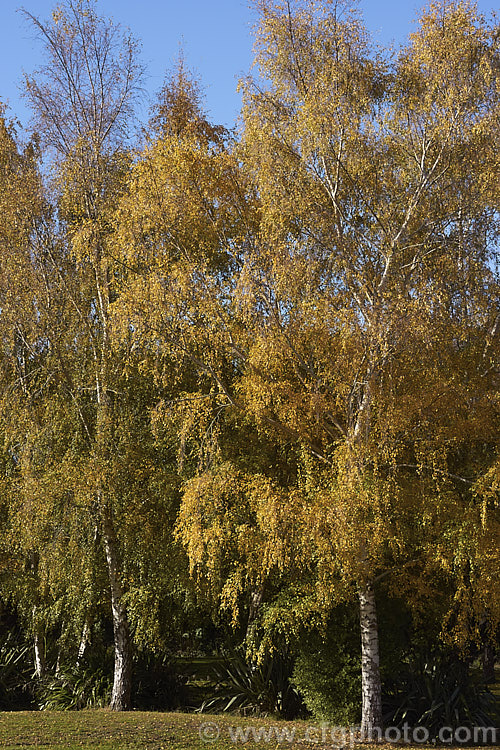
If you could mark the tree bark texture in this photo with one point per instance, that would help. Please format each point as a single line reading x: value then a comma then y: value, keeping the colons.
x: 84, y: 642
x: 371, y: 721
x: 39, y: 648
x: 122, y: 680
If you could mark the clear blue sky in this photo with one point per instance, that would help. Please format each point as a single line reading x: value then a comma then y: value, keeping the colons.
x: 215, y: 36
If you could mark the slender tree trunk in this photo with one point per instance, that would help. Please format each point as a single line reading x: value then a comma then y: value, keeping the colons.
x: 122, y: 681
x: 38, y: 630
x: 371, y: 721
x: 488, y: 662
x: 255, y: 604
x: 84, y: 641
x: 39, y: 648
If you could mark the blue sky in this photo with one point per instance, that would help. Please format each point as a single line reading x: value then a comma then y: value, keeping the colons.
x: 214, y: 34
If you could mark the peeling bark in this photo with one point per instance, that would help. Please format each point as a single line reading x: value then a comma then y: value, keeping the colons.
x: 38, y: 630
x: 84, y: 642
x: 39, y: 648
x: 122, y: 680
x: 371, y: 722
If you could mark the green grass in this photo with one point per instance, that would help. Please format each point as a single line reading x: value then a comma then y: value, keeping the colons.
x: 134, y: 730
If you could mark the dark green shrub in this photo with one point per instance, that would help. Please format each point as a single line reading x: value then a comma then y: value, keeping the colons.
x: 327, y: 671
x: 240, y: 686
x: 74, y: 688
x: 438, y: 690
x: 157, y: 685
x: 16, y: 668
x: 330, y: 686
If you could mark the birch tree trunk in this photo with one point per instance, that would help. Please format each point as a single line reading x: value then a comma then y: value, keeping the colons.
x: 371, y: 721
x: 39, y: 648
x: 38, y: 630
x: 84, y: 641
x: 122, y: 679
x: 371, y: 687
x: 255, y: 604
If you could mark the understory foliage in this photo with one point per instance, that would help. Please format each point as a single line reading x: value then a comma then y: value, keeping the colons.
x: 16, y: 670
x: 240, y: 685
x: 74, y: 688
x: 436, y: 690
x: 249, y: 385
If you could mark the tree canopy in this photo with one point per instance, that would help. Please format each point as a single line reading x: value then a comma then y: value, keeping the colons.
x: 253, y: 375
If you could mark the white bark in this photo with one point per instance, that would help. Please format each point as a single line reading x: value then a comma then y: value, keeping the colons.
x: 84, y: 641
x: 371, y: 721
x: 122, y: 680
x: 38, y: 630
x: 39, y: 651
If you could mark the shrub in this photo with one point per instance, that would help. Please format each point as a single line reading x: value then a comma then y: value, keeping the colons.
x: 330, y: 685
x: 74, y: 688
x: 157, y: 684
x: 327, y: 671
x: 241, y: 686
x: 16, y: 667
x: 438, y: 690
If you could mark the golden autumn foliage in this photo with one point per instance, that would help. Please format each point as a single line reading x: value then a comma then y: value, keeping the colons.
x: 355, y: 309
x: 273, y: 351
x: 358, y: 315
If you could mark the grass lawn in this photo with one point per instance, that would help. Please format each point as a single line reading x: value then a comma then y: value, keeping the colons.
x: 105, y: 730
